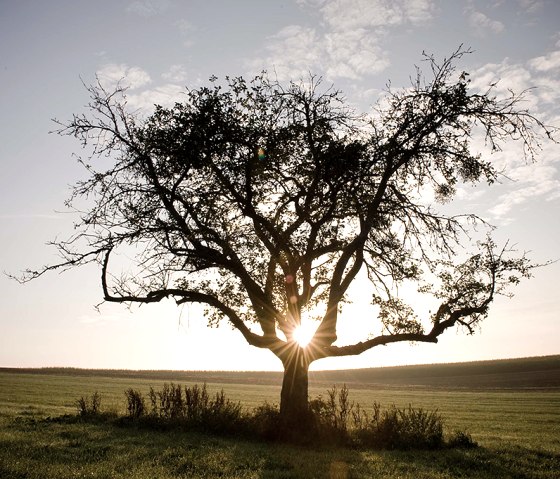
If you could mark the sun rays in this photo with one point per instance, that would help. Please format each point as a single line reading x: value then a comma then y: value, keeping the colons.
x: 304, y: 332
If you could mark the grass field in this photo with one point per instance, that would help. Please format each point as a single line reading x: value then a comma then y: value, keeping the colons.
x: 518, y: 428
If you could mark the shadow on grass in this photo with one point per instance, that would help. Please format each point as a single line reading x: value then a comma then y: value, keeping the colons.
x: 508, y: 462
x: 71, y: 447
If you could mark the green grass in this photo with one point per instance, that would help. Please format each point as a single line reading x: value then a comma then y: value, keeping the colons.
x: 518, y: 433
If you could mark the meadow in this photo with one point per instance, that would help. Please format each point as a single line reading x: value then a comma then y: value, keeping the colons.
x: 512, y: 409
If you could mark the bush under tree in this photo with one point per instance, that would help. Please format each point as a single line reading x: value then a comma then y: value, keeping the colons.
x: 332, y: 420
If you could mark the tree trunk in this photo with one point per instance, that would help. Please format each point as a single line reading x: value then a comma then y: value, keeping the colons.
x: 294, y: 403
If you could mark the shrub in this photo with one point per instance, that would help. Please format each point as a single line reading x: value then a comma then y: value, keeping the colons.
x: 89, y: 406
x: 264, y: 421
x: 197, y: 402
x: 83, y: 406
x: 338, y: 420
x: 404, y: 428
x: 332, y: 420
x: 193, y: 407
x: 169, y: 402
x: 462, y: 439
x: 222, y: 413
x: 154, y: 411
x: 135, y: 403
x: 330, y: 416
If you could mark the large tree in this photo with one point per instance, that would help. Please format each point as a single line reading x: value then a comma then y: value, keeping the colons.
x: 265, y: 202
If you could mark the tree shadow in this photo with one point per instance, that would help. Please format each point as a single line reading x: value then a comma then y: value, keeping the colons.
x: 104, y: 449
x: 509, y: 462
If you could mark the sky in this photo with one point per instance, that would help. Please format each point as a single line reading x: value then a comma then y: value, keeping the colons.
x: 49, y: 50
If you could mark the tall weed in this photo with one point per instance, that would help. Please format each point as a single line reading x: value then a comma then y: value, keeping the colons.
x: 135, y: 403
x: 89, y: 406
x: 188, y: 407
x: 394, y: 428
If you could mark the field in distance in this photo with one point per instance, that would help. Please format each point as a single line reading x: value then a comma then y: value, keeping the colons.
x: 511, y: 408
x: 536, y: 373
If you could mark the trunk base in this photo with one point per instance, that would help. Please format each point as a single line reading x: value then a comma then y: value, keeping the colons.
x: 295, y: 416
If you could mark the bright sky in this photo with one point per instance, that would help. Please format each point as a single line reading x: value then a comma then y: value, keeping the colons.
x: 159, y: 46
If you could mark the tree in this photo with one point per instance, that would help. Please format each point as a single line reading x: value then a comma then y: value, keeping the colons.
x: 265, y: 202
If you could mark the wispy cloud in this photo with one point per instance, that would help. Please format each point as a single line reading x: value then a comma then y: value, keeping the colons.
x: 546, y: 63
x: 164, y: 95
x: 538, y: 77
x: 539, y: 182
x: 142, y: 92
x: 525, y: 181
x: 148, y: 8
x: 292, y: 52
x: 504, y: 75
x: 531, y: 6
x: 133, y: 77
x: 354, y: 54
x: 348, y: 45
x: 186, y: 29
x: 482, y: 24
x: 352, y: 14
x: 176, y: 73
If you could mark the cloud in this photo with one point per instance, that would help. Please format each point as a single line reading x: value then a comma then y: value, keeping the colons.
x: 548, y: 91
x: 295, y: 51
x: 112, y: 74
x: 136, y: 80
x: 291, y: 53
x: 148, y: 8
x: 538, y: 77
x: 468, y: 193
x: 354, y: 54
x: 531, y: 6
x: 351, y: 14
x: 505, y: 77
x: 348, y: 45
x: 164, y: 95
x: 516, y: 198
x: 184, y: 26
x: 176, y: 73
x: 357, y: 29
x: 526, y: 181
x: 186, y: 29
x: 311, y: 3
x: 482, y: 24
x: 545, y: 63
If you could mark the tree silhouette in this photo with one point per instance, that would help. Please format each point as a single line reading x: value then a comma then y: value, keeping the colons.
x: 264, y: 202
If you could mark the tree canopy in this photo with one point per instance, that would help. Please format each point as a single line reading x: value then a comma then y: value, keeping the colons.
x: 264, y: 200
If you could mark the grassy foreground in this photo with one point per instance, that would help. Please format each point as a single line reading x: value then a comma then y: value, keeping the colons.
x: 519, y: 435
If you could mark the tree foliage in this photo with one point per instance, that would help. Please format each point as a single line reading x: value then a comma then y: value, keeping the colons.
x: 261, y: 239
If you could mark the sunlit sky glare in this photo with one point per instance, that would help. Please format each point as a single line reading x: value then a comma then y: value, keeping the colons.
x: 160, y: 46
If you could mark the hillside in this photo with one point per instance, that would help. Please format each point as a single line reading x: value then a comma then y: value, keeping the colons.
x: 509, y: 374
x: 537, y: 373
